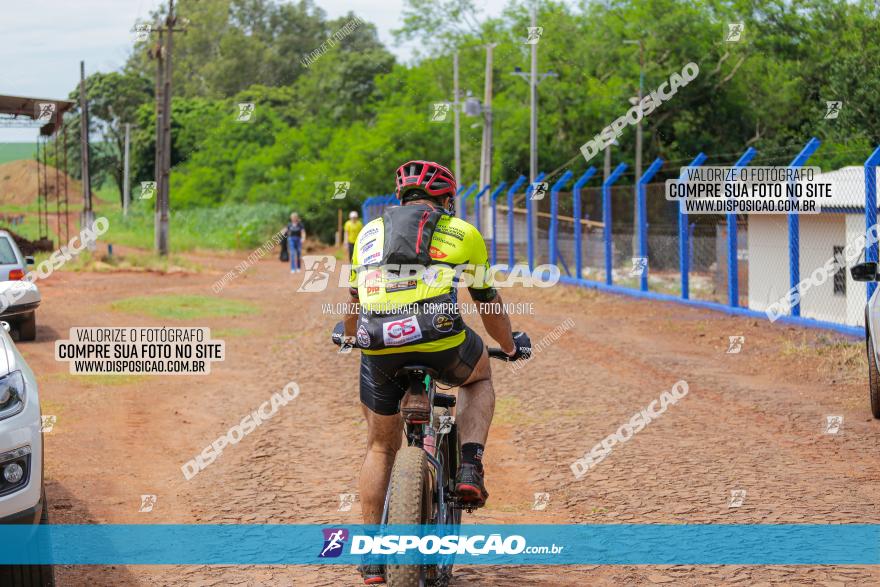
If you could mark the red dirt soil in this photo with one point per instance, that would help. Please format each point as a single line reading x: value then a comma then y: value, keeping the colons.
x: 751, y: 421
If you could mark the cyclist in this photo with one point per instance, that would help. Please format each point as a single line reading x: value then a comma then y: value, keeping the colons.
x: 423, y: 233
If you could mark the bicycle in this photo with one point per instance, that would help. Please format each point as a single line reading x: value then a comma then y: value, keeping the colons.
x: 421, y: 490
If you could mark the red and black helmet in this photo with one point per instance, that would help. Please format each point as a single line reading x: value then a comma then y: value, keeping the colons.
x: 432, y: 178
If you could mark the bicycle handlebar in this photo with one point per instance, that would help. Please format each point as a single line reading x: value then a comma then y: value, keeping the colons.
x: 339, y: 332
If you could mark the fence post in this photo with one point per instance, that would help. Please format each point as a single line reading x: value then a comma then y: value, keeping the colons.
x: 576, y: 212
x: 530, y: 244
x: 643, y: 217
x: 554, y: 212
x: 684, y: 249
x: 732, y: 264
x: 365, y: 209
x: 794, y: 229
x: 606, y: 217
x: 477, y: 206
x: 464, y: 199
x: 494, y: 201
x: 871, y: 211
x: 510, y: 193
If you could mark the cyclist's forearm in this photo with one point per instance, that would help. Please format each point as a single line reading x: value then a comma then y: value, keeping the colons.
x: 351, y: 316
x: 497, y: 323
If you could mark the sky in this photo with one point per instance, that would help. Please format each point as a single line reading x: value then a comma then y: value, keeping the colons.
x: 43, y: 41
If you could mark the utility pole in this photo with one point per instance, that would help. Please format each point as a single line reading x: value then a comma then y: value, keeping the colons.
x: 159, y: 55
x: 635, y: 239
x: 88, y: 216
x: 164, y: 71
x: 533, y: 104
x: 486, y: 154
x: 126, y: 187
x: 456, y: 114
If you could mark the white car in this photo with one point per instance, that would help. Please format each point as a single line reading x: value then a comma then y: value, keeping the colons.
x: 19, y: 299
x: 22, y: 495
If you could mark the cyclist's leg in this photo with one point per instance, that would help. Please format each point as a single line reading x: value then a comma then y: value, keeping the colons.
x: 380, y: 395
x: 476, y: 403
x: 384, y: 435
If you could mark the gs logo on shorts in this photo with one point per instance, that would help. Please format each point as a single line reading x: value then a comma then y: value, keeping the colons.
x: 399, y: 332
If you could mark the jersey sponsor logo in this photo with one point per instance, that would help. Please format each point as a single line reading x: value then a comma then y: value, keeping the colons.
x: 398, y: 332
x: 451, y: 231
x: 367, y: 245
x: 372, y: 290
x: 372, y: 257
x: 437, y: 253
x: 442, y: 322
x: 370, y: 232
x: 393, y: 286
x: 363, y: 337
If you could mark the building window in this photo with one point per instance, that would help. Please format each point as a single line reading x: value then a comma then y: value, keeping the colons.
x: 840, y: 274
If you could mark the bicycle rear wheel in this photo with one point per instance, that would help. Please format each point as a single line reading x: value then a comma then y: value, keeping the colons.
x: 410, y: 502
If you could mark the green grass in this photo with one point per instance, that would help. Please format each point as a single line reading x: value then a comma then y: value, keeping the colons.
x: 225, y: 228
x: 184, y: 307
x: 15, y: 151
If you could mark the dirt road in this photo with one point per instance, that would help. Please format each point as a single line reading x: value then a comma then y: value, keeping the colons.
x: 752, y: 421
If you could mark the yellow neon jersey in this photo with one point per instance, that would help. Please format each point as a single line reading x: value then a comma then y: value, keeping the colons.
x: 457, y: 250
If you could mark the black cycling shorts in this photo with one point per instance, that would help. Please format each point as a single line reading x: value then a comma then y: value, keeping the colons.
x: 381, y: 391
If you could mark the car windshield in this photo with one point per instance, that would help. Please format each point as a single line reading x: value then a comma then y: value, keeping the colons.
x: 7, y: 255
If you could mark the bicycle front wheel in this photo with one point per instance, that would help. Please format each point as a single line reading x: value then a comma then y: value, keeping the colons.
x: 410, y: 502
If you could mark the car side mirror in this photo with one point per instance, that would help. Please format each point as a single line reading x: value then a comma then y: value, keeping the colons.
x: 5, y: 326
x: 29, y: 260
x: 864, y: 271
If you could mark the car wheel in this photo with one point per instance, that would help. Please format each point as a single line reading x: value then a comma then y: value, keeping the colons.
x: 873, y: 379
x: 30, y: 575
x: 27, y: 327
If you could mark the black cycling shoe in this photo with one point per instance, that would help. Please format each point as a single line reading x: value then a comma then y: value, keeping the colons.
x: 372, y: 574
x: 469, y: 486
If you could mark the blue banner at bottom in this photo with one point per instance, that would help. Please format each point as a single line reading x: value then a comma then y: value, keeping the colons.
x: 612, y: 544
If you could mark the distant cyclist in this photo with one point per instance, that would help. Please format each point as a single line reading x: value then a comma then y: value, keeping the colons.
x: 296, y: 236
x: 423, y: 232
x: 352, y: 228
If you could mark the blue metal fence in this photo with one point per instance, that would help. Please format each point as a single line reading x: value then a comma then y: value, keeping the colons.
x: 497, y: 236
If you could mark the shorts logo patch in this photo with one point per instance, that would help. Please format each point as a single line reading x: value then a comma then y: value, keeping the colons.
x: 442, y: 323
x: 399, y: 332
x: 363, y: 337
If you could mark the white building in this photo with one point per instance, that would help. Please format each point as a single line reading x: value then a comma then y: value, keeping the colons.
x: 839, y: 299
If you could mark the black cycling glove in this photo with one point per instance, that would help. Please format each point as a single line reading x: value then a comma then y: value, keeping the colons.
x: 523, y: 345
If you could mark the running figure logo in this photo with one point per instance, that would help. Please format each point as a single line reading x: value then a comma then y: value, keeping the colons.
x: 148, y: 190
x: 45, y: 111
x: 147, y: 503
x: 737, y: 498
x: 441, y: 112
x: 539, y: 190
x: 734, y: 32
x: 341, y: 188
x: 833, y: 109
x: 833, y: 424
x: 346, y: 500
x: 640, y: 265
x: 542, y: 500
x: 48, y: 422
x: 334, y: 540
x: 246, y: 112
x: 535, y: 33
x: 318, y: 271
x: 735, y: 344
